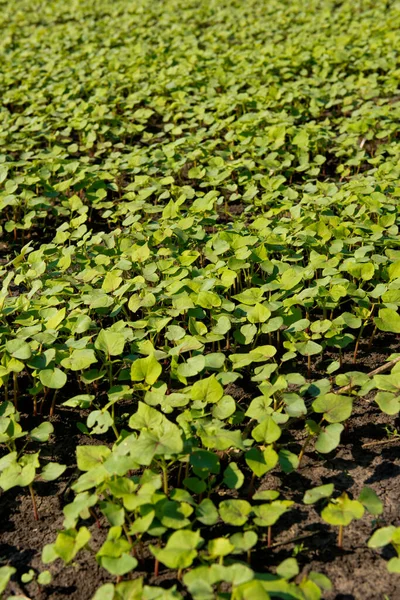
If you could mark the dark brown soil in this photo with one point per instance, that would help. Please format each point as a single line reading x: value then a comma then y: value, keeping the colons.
x: 366, y: 456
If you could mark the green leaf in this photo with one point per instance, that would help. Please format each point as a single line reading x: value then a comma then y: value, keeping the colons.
x: 301, y: 139
x: 317, y: 493
x: 388, y: 320
x: 53, y: 378
x: 19, y: 349
x: 393, y: 565
x: 146, y: 417
x: 42, y: 432
x: 180, y: 550
x: 258, y: 313
x: 208, y: 300
x: 261, y: 461
x: 140, y: 253
x: 44, y: 578
x: 207, y: 390
x: 78, y: 508
x: 233, y: 476
x: 243, y: 541
x: 80, y: 359
x: 267, y: 431
x: 267, y: 515
x: 147, y: 369
x: 17, y: 475
x: 290, y: 278
x: 388, y: 383
x: 110, y: 342
x: 288, y: 461
x: 350, y: 320
x: 27, y: 577
x: 370, y: 501
x: 219, y: 547
x: 69, y: 542
x: 224, y: 408
x: 329, y: 438
x: 120, y: 565
x: 90, y: 479
x: 204, y: 462
x: 206, y: 512
x: 381, y: 537
x: 112, y: 281
x: 175, y: 333
x: 252, y: 590
x: 234, y: 512
x: 80, y: 401
x: 251, y: 296
x: 266, y: 495
x: 195, y: 485
x: 49, y: 553
x: 262, y: 353
x: 320, y: 580
x: 336, y: 408
x: 3, y: 176
x: 308, y: 348
x: 105, y: 592
x: 161, y: 439
x: 5, y: 575
x: 193, y: 366
x: 88, y: 457
x: 288, y: 568
x: 114, y: 513
x: 52, y: 471
x: 173, y: 515
x: 99, y: 421
x: 342, y: 511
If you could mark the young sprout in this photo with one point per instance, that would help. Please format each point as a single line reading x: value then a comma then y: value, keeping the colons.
x: 266, y: 515
x: 342, y: 511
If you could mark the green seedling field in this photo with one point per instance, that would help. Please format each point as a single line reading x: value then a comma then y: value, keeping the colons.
x: 199, y: 299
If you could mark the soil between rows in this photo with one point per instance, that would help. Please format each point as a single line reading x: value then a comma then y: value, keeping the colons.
x: 366, y: 456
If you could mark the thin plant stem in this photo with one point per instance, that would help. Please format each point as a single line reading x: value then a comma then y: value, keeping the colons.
x: 128, y: 537
x: 95, y: 517
x: 269, y: 537
x: 303, y: 449
x: 251, y: 486
x: 360, y: 334
x: 357, y: 345
x: 340, y: 536
x: 110, y: 374
x: 113, y: 426
x: 53, y: 403
x: 35, y: 510
x: 165, y: 477
x: 180, y: 474
x: 371, y: 339
x: 46, y: 391
x: 15, y: 381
